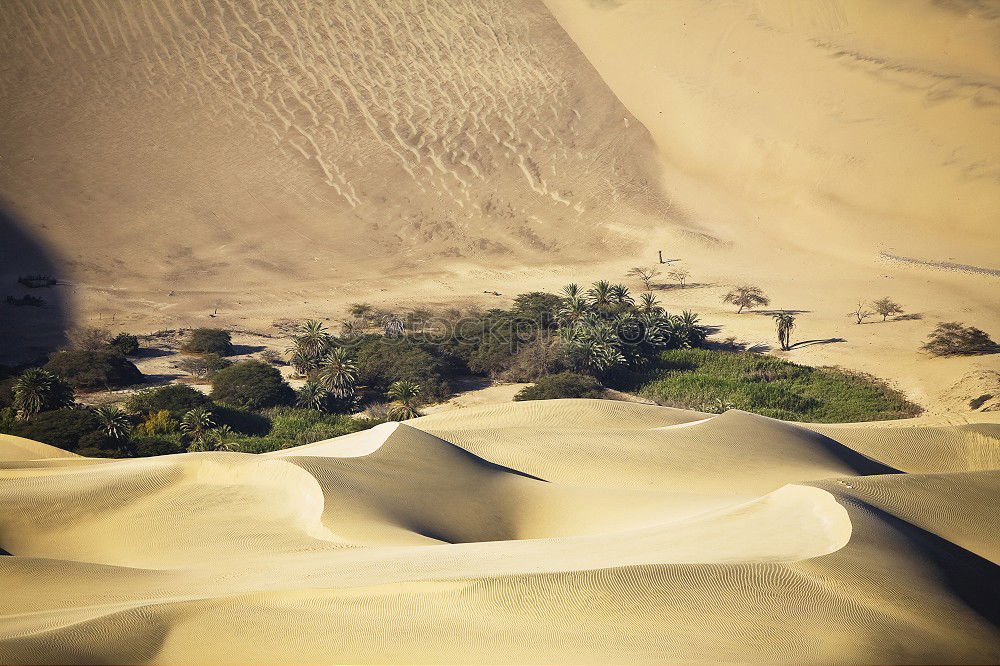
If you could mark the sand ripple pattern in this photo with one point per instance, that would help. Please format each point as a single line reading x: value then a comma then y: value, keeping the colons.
x: 563, y: 531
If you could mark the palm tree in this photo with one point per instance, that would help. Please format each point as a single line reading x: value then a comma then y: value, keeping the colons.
x: 648, y: 304
x: 695, y: 332
x: 37, y: 390
x: 572, y: 310
x: 600, y: 295
x: 337, y: 372
x: 392, y: 324
x: 620, y: 296
x: 571, y: 291
x: 404, y: 395
x: 114, y: 422
x: 312, y: 396
x: 197, y: 422
x: 220, y: 439
x: 784, y: 322
x: 313, y: 338
x: 303, y: 362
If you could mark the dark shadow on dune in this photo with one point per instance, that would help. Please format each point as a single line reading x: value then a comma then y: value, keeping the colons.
x: 27, y: 332
x: 677, y: 287
x: 974, y: 579
x: 809, y: 343
x: 913, y: 316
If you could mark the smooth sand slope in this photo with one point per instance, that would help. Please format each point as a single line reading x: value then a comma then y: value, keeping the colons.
x: 565, y: 531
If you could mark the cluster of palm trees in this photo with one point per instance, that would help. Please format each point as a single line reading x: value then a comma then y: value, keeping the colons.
x: 332, y: 373
x: 604, y: 327
x: 38, y: 390
x: 329, y: 368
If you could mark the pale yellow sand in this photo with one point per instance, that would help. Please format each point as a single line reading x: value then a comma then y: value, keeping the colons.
x: 570, y: 531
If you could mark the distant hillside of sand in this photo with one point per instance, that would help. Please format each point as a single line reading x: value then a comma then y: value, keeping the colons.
x: 571, y: 531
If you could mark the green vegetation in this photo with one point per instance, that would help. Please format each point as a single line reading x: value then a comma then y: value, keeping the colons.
x: 714, y: 380
x: 66, y: 428
x: 951, y: 338
x: 37, y: 391
x: 90, y: 369
x: 404, y: 395
x: 251, y: 385
x: 562, y: 385
x: 209, y: 341
x: 295, y: 427
x: 175, y: 399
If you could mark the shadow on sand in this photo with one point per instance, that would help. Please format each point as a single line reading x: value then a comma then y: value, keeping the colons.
x: 29, y: 332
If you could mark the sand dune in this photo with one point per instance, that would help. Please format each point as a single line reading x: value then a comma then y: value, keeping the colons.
x: 562, y: 531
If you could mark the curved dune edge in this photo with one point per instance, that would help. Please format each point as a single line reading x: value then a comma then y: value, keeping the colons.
x: 486, y: 534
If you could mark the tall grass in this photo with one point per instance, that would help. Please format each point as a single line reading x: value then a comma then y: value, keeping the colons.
x: 714, y: 381
x: 295, y: 427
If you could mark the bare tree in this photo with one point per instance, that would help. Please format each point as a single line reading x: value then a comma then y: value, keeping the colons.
x: 860, y: 314
x: 746, y: 296
x: 886, y: 307
x: 680, y: 274
x: 646, y: 275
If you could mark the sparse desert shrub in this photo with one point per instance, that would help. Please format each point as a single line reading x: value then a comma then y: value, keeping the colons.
x: 94, y: 369
x: 209, y: 340
x: 89, y: 339
x: 125, y: 344
x: 746, y: 296
x: 681, y: 275
x: 860, y: 313
x: 271, y: 357
x: 562, y: 385
x: 951, y: 338
x: 203, y: 367
x: 886, y: 307
x: 645, y: 274
x: 175, y: 399
x: 784, y: 322
x: 251, y: 385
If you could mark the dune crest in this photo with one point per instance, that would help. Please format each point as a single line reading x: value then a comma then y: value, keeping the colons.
x: 419, y: 540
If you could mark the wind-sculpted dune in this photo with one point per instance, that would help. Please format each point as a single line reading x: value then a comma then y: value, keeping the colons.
x: 452, y: 128
x: 560, y: 531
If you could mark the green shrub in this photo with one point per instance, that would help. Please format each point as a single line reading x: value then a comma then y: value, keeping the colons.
x: 214, y: 363
x: 241, y: 420
x: 251, y: 385
x: 63, y: 428
x: 88, y: 369
x: 157, y: 446
x: 7, y: 391
x: 157, y: 423
x: 381, y: 361
x: 125, y: 344
x: 295, y: 427
x: 562, y: 385
x: 209, y: 340
x: 539, y: 308
x: 713, y: 381
x: 178, y: 399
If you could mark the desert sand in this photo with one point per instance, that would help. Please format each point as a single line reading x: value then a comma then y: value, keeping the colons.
x: 570, y: 531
